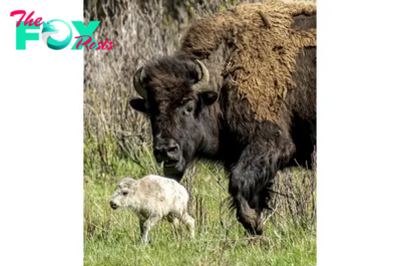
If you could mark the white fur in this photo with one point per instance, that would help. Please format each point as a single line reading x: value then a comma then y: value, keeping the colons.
x: 152, y: 198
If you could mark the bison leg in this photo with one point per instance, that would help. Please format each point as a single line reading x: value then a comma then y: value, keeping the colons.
x: 174, y: 222
x: 189, y: 222
x: 147, y: 225
x: 252, y: 178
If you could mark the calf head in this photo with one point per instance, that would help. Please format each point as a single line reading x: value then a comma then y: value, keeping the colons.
x: 120, y: 198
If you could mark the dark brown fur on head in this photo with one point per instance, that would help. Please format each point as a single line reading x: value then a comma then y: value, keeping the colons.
x: 177, y: 112
x: 171, y: 77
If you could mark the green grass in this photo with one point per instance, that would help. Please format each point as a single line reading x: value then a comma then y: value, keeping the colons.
x: 112, y: 237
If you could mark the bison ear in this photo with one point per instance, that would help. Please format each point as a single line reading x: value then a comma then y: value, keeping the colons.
x: 209, y: 97
x: 138, y: 104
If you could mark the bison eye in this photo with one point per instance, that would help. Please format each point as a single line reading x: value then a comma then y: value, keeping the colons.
x: 189, y: 110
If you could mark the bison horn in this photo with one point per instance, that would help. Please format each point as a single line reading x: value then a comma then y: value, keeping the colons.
x: 137, y: 83
x: 205, y: 77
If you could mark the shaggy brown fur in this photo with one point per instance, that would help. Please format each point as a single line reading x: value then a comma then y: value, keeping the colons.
x: 265, y: 49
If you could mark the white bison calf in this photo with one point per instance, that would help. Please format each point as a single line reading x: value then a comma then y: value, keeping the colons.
x: 152, y: 198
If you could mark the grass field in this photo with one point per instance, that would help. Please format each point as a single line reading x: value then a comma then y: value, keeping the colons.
x: 112, y: 237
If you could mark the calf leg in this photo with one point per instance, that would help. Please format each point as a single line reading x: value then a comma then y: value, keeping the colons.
x: 141, y: 223
x: 189, y: 223
x: 147, y: 225
x: 174, y: 223
x: 253, y: 176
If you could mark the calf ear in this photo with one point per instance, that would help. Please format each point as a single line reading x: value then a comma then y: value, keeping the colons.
x: 209, y: 97
x: 138, y: 104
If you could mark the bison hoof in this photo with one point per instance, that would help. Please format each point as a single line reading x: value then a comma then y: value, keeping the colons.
x: 258, y: 231
x: 251, y: 222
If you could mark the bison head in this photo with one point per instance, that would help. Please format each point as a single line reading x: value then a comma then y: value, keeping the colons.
x: 120, y: 198
x: 175, y: 95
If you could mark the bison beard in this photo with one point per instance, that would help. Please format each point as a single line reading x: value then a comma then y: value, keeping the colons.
x: 197, y: 110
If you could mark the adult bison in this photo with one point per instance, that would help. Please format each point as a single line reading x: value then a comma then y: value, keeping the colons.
x: 241, y: 90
